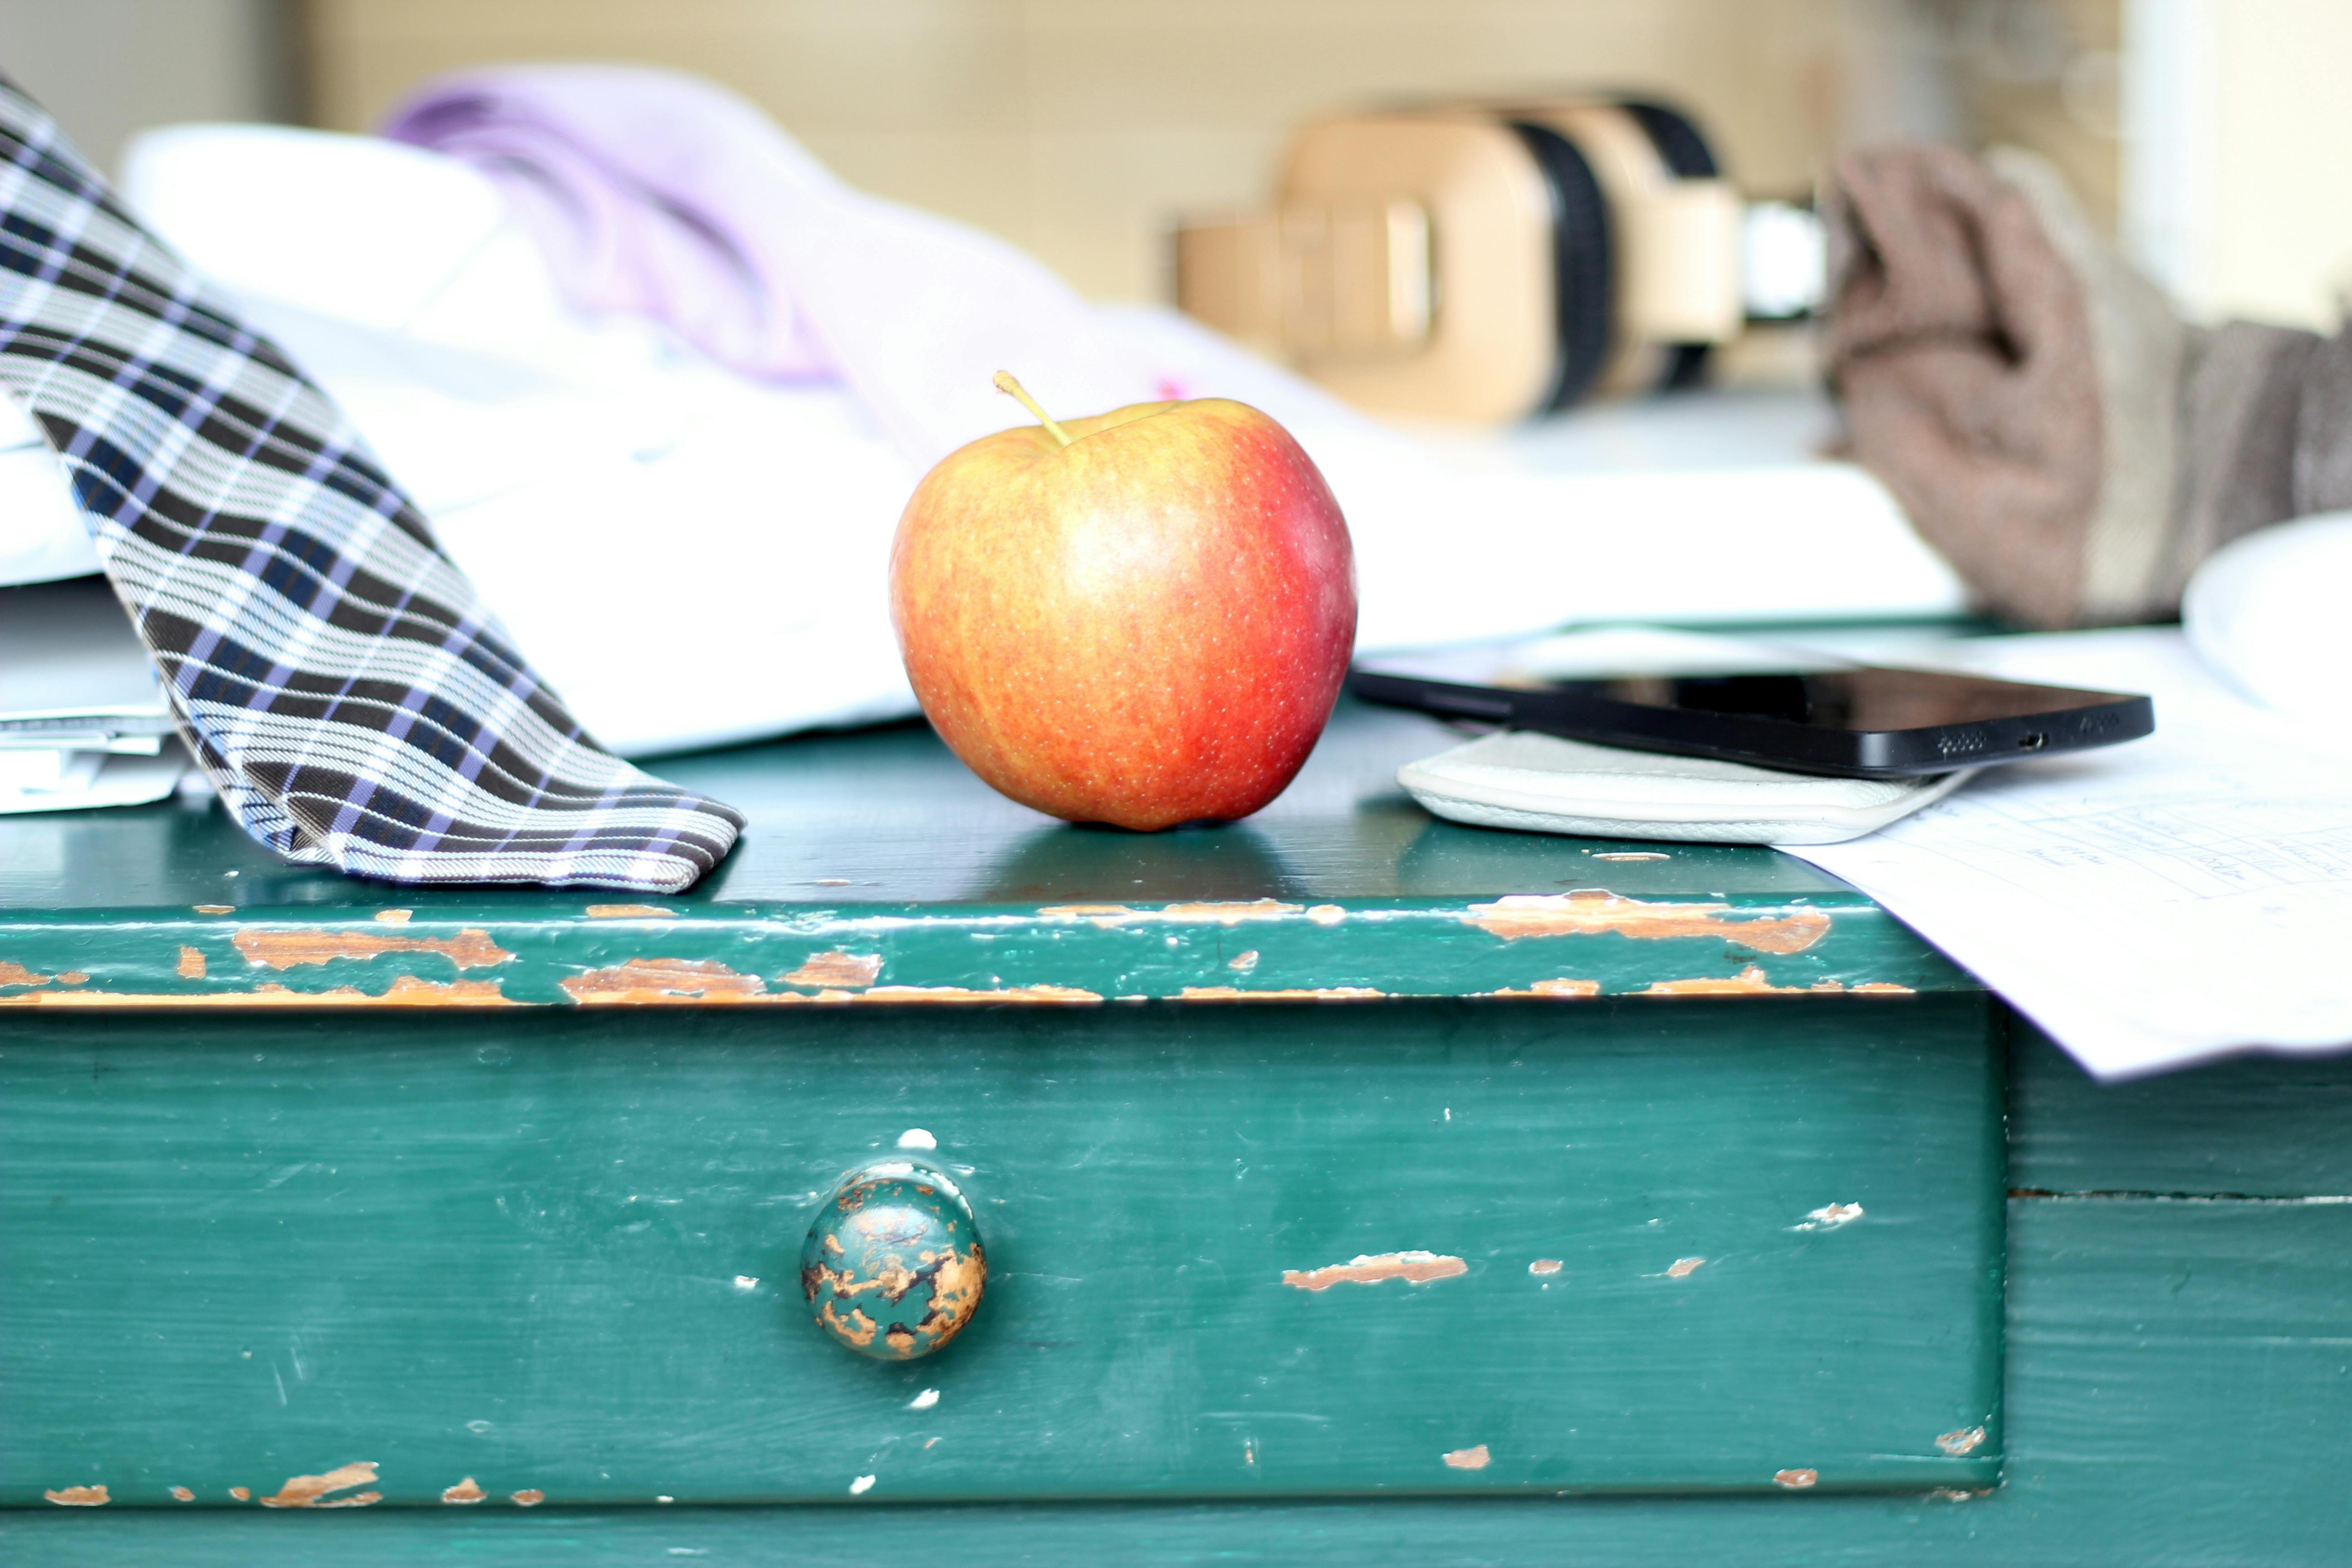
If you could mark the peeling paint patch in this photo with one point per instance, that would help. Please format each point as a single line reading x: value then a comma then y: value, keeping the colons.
x: 405, y: 990
x: 395, y: 916
x: 182, y: 1494
x: 1327, y: 914
x: 1063, y: 995
x: 464, y: 1492
x: 1414, y: 1268
x: 1795, y: 1480
x: 1243, y: 963
x: 1558, y: 990
x: 917, y: 1138
x: 241, y: 1494
x: 700, y: 982
x: 1476, y: 1458
x: 853, y: 970
x: 1748, y: 982
x: 1320, y: 994
x: 1683, y: 1267
x: 14, y: 973
x: 1829, y: 1217
x: 1566, y: 987
x: 1231, y: 914
x: 469, y: 949
x: 78, y: 1496
x: 1752, y: 982
x: 854, y: 1329
x: 1103, y: 915
x: 861, y: 1486
x: 311, y: 1491
x: 629, y: 913
x: 73, y: 977
x: 924, y: 1400
x: 530, y: 1497
x: 1589, y: 911
x: 1544, y: 1266
x: 1967, y: 1440
x: 214, y: 909
x: 1633, y: 854
x: 642, y: 981
x: 191, y: 963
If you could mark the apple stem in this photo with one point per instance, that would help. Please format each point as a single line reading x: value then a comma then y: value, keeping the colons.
x: 1013, y: 389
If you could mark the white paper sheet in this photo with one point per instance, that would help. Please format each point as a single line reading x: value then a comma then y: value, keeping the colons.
x: 82, y: 720
x: 69, y: 660
x: 2173, y: 899
x: 77, y: 781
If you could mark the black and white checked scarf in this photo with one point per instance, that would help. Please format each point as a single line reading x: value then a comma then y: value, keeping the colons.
x: 352, y: 700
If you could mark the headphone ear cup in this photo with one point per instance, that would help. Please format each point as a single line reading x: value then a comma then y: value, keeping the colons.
x: 1683, y: 148
x: 1584, y: 264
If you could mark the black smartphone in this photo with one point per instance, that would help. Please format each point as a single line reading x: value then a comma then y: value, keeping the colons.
x: 1806, y: 715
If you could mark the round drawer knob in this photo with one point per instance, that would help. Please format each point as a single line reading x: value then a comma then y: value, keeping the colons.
x: 893, y: 1267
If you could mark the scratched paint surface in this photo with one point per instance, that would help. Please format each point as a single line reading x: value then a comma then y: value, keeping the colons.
x: 2166, y: 1306
x: 1603, y: 944
x: 1582, y: 943
x: 877, y: 868
x: 551, y: 1255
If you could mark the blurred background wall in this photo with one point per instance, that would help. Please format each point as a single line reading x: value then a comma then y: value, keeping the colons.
x: 106, y: 67
x: 2205, y: 132
x: 2237, y: 118
x: 1078, y: 128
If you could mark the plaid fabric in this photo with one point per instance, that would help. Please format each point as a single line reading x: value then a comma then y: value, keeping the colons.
x: 350, y: 695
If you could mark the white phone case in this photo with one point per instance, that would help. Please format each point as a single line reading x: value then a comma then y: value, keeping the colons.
x: 1542, y: 784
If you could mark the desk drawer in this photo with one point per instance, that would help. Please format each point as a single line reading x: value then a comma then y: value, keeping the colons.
x: 556, y: 1257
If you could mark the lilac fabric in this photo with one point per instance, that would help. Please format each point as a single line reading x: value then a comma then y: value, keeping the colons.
x: 637, y: 186
x: 660, y: 193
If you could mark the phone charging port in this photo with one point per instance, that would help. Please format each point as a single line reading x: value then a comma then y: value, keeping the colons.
x: 2033, y: 743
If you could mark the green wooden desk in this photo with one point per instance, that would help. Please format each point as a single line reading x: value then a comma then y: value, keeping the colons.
x: 299, y: 1173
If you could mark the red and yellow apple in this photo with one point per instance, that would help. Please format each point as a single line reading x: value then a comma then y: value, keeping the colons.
x: 1142, y: 618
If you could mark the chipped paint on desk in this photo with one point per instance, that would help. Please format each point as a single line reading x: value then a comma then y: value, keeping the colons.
x: 562, y: 1204
x: 1568, y: 947
x: 876, y: 867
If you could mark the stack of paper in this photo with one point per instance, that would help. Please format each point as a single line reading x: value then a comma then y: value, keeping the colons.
x: 82, y: 720
x: 2150, y: 904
